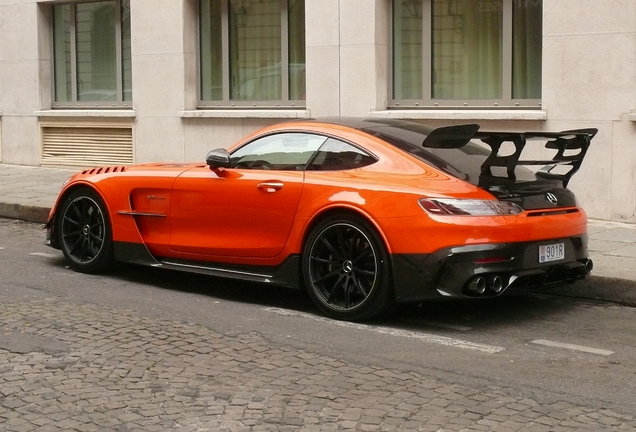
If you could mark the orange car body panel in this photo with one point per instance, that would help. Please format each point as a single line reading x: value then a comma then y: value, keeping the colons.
x: 239, y: 213
x: 189, y: 211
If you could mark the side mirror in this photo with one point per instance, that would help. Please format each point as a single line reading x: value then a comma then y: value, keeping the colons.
x: 218, y: 158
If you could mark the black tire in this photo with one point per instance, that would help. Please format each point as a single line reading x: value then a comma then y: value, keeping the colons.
x: 84, y: 232
x: 346, y: 269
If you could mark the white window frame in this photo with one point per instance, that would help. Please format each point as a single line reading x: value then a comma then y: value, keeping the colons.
x: 74, y: 103
x: 226, y: 102
x: 506, y: 102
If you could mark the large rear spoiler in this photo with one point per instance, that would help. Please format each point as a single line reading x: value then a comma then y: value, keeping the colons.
x: 570, y: 146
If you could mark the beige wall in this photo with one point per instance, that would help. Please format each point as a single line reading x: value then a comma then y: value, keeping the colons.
x: 589, y: 80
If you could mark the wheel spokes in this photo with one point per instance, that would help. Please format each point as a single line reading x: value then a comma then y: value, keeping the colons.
x: 328, y: 276
x: 83, y: 229
x: 334, y: 289
x: 331, y: 247
x: 356, y: 283
x: 343, y: 266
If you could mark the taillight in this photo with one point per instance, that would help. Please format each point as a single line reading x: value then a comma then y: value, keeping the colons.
x: 469, y: 207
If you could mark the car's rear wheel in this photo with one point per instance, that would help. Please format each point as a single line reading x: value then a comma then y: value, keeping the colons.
x: 84, y: 232
x: 346, y: 268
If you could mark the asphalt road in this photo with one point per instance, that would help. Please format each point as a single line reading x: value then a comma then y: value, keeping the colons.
x: 545, y: 349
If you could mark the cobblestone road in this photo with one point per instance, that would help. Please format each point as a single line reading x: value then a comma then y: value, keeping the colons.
x: 66, y: 367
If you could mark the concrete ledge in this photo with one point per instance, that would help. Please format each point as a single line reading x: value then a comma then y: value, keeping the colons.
x: 10, y: 211
x: 34, y: 213
x: 92, y: 113
x: 619, y: 291
x: 467, y: 114
x: 246, y: 113
x: 27, y: 213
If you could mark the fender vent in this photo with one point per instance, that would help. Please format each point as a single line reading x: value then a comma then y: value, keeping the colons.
x: 86, y: 146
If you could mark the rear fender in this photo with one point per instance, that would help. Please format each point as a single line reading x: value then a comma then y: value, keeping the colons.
x: 342, y: 208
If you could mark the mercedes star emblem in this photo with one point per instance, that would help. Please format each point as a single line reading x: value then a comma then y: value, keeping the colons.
x: 552, y: 198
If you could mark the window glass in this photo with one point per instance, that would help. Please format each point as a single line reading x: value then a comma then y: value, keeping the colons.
x: 255, y: 50
x: 252, y: 51
x: 407, y: 51
x: 526, y: 49
x: 335, y: 155
x: 296, y: 49
x: 466, y: 53
x: 464, y: 162
x: 96, y: 51
x: 211, y: 31
x: 62, y: 53
x: 126, y: 57
x: 285, y: 151
x: 91, y: 53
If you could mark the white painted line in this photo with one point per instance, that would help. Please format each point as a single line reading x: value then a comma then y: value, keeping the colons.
x: 1, y: 248
x: 572, y: 347
x: 441, y: 340
x: 44, y: 254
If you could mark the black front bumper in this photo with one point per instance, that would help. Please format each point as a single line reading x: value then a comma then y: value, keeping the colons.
x: 486, y: 270
x: 51, y: 238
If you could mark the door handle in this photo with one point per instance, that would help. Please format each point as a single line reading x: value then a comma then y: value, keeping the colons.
x: 270, y: 187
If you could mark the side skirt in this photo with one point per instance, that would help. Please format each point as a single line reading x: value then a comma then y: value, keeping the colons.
x: 287, y: 274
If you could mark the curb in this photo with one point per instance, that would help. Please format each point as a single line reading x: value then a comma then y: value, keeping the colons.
x: 29, y: 213
x: 602, y: 288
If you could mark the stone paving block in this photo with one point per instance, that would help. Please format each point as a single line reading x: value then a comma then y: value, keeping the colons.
x: 125, y: 372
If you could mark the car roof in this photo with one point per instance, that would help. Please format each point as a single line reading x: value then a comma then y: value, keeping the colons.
x: 403, y: 130
x: 408, y: 136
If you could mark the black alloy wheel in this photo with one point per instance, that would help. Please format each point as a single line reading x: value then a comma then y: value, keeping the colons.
x: 346, y: 269
x: 84, y: 232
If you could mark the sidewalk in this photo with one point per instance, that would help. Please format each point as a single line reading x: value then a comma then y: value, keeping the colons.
x: 27, y: 193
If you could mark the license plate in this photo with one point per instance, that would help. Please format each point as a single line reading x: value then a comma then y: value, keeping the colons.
x: 552, y: 252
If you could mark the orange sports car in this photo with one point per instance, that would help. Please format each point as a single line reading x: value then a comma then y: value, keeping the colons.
x: 359, y: 212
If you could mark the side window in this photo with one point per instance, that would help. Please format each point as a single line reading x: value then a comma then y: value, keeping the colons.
x: 336, y: 155
x: 283, y: 151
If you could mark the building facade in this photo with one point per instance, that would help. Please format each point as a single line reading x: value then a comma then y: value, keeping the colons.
x: 85, y: 83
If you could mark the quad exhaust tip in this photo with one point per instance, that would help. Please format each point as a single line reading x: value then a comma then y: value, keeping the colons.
x: 480, y: 284
x: 496, y: 284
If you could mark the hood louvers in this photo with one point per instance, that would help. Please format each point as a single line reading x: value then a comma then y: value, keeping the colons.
x: 105, y: 170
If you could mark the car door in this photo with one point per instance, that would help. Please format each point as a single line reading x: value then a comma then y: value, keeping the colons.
x: 247, y: 210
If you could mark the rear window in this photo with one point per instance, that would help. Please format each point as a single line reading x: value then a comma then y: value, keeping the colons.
x: 335, y: 155
x: 464, y: 162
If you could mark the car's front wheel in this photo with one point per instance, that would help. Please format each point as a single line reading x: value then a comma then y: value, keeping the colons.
x: 346, y: 268
x: 84, y: 232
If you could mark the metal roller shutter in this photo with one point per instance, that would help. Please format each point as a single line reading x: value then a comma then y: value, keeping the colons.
x: 86, y: 146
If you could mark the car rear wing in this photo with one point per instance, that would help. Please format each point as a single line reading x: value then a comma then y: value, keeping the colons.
x: 570, y: 146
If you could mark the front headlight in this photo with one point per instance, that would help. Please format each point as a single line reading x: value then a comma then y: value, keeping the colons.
x: 469, y: 207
